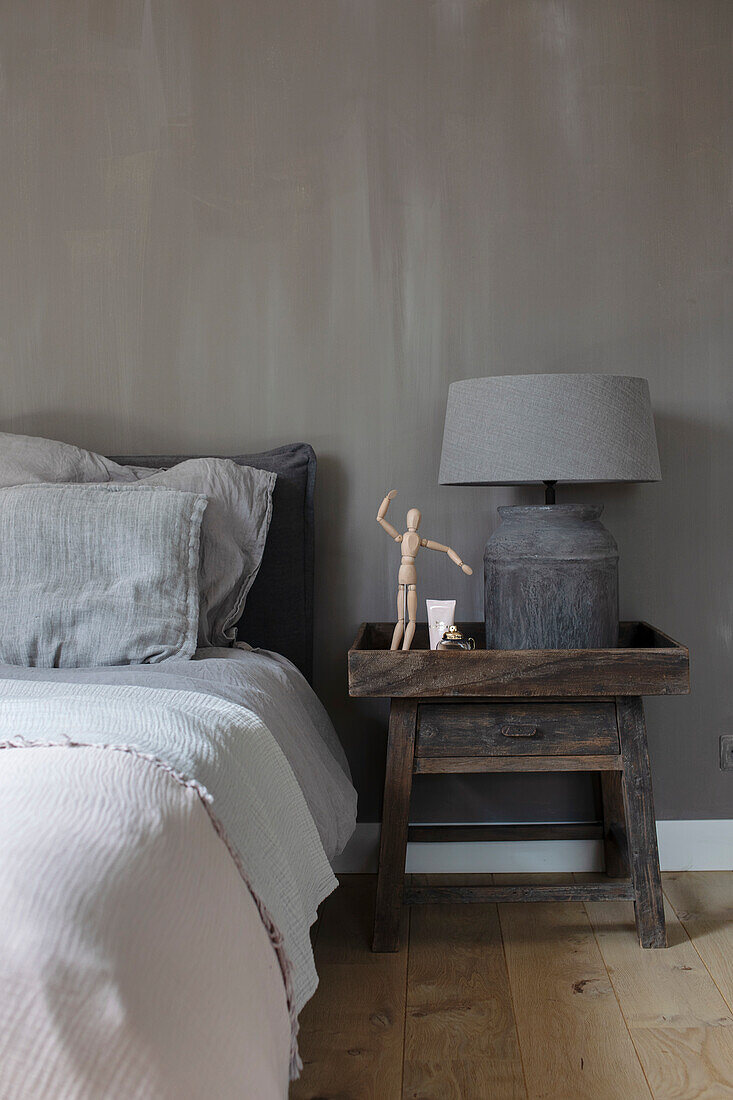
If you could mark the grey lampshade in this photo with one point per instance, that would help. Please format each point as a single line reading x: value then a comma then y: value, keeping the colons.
x: 525, y: 428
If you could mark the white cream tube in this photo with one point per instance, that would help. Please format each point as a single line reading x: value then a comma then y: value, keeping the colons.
x: 441, y: 615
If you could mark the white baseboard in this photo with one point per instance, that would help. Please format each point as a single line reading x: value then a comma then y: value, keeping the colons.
x: 705, y: 845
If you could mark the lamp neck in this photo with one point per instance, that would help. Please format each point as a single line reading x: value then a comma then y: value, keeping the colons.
x: 550, y: 492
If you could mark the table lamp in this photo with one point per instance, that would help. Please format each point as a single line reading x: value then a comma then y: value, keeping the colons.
x: 550, y: 572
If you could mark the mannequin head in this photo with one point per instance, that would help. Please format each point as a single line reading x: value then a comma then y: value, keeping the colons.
x: 413, y: 519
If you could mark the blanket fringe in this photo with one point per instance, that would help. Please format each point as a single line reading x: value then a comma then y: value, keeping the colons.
x: 206, y: 798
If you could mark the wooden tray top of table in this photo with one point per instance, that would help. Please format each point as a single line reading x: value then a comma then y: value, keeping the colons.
x: 646, y: 662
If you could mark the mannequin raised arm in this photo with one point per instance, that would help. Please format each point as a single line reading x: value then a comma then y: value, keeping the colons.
x: 451, y: 554
x: 391, y: 531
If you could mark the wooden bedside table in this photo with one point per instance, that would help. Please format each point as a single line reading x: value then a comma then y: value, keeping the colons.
x: 523, y: 710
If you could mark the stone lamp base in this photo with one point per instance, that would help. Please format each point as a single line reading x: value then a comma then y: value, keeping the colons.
x: 551, y: 580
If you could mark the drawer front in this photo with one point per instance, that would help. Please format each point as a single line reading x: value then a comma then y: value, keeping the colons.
x: 516, y: 729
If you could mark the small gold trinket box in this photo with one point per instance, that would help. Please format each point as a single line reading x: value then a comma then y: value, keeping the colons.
x: 454, y: 639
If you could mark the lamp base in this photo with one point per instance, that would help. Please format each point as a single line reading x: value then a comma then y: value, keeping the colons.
x: 551, y: 580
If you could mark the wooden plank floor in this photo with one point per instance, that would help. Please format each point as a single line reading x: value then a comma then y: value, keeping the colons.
x: 545, y: 1000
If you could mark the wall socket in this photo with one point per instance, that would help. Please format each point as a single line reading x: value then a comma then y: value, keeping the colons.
x: 726, y: 752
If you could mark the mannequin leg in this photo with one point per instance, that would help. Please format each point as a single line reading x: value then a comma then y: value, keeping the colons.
x: 411, y: 615
x: 400, y: 625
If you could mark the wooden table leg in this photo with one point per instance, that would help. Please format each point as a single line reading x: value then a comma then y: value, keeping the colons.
x: 614, y: 826
x: 641, y: 830
x: 395, y: 815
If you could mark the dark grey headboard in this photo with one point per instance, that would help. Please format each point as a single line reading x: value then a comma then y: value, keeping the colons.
x: 279, y: 610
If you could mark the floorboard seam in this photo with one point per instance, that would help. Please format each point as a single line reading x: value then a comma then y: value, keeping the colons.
x: 405, y: 1001
x: 705, y: 966
x: 511, y: 1000
x: 615, y: 994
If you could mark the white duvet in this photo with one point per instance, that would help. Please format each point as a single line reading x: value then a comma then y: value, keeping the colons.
x: 163, y: 849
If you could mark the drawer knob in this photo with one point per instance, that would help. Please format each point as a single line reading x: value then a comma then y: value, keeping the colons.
x: 520, y: 731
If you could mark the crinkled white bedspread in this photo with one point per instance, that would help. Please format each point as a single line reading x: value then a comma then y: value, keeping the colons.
x: 131, y: 960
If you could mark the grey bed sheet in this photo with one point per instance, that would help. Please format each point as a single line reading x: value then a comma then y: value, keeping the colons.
x: 279, y: 695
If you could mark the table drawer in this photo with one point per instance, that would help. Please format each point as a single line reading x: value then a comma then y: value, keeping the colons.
x: 516, y: 729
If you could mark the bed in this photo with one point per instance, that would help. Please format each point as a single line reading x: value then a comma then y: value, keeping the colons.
x: 165, y: 840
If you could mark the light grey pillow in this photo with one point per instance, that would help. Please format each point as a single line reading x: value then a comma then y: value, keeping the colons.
x: 234, y: 529
x: 233, y: 534
x: 25, y: 459
x: 98, y: 574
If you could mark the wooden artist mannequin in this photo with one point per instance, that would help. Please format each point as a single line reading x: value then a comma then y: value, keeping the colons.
x: 407, y: 579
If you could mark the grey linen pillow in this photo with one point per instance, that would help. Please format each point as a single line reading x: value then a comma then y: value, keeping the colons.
x: 234, y: 529
x: 98, y: 574
x: 233, y: 534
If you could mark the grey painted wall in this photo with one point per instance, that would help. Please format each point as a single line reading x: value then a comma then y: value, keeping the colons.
x: 229, y: 224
